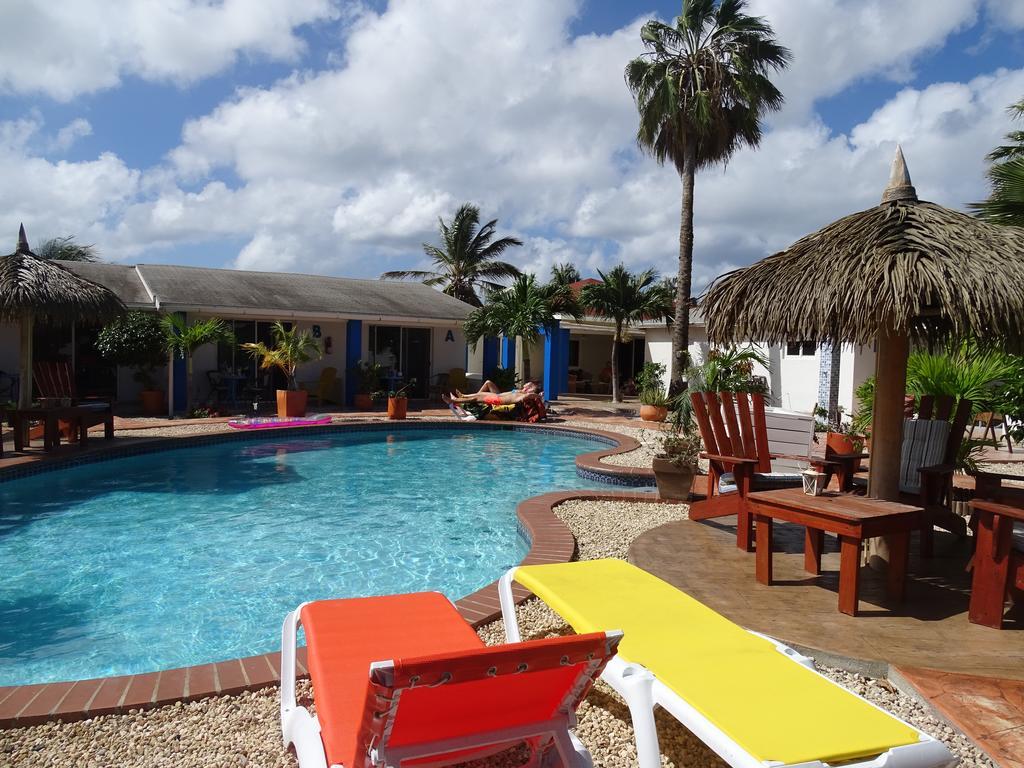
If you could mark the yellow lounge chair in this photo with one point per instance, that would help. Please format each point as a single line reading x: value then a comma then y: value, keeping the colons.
x: 755, y: 702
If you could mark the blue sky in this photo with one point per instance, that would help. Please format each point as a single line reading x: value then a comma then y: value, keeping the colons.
x: 325, y: 136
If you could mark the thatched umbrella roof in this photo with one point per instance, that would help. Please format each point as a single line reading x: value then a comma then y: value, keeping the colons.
x: 905, y: 265
x: 903, y: 269
x: 32, y: 288
x: 47, y: 290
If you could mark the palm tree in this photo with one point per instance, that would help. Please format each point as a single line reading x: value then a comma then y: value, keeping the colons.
x: 467, y: 259
x: 291, y: 349
x: 627, y: 299
x: 66, y: 249
x: 1005, y: 204
x: 519, y: 312
x: 565, y: 273
x: 183, y: 338
x: 701, y: 89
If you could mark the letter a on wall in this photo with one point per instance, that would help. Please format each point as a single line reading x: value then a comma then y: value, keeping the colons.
x: 450, y: 336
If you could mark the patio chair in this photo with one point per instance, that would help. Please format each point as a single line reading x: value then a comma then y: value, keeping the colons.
x: 218, y: 387
x: 989, y: 423
x: 734, y: 430
x: 457, y: 379
x: 754, y: 701
x: 57, y: 380
x: 928, y: 457
x: 997, y: 520
x: 324, y: 389
x: 406, y: 678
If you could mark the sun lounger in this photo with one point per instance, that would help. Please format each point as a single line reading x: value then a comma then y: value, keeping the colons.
x: 405, y: 678
x: 753, y: 701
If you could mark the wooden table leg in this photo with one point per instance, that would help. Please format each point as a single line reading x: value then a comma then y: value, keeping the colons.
x: 51, y: 432
x: 991, y: 571
x: 899, y: 555
x: 763, y: 553
x: 844, y: 476
x: 849, y: 574
x: 83, y: 432
x: 18, y: 424
x: 814, y: 541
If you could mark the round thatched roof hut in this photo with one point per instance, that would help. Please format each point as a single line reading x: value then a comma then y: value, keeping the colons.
x: 32, y: 288
x: 904, y: 269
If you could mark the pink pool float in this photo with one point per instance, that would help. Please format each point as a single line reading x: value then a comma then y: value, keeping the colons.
x: 280, y: 422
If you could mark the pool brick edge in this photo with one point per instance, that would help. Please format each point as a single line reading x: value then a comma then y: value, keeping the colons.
x: 550, y: 539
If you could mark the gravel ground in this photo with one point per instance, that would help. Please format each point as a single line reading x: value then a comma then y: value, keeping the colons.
x: 649, y: 440
x: 241, y: 731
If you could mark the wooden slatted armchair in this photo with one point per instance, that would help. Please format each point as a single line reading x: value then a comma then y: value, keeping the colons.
x: 931, y: 442
x: 735, y: 434
x: 57, y: 380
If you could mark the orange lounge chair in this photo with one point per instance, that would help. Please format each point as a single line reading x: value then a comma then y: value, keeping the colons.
x: 404, y: 680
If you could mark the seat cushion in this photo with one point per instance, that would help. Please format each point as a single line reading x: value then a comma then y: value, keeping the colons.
x: 344, y: 636
x: 761, y: 481
x: 777, y: 711
x: 924, y: 445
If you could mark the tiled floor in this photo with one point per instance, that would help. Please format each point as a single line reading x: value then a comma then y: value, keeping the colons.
x: 989, y: 710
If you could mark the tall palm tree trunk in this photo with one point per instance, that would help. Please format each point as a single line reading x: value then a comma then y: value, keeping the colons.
x: 188, y: 384
x: 522, y: 344
x: 615, y: 362
x: 681, y: 326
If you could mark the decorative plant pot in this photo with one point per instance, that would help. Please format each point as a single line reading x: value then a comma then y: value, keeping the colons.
x: 653, y: 412
x: 837, y: 442
x: 673, y: 482
x: 397, y: 407
x: 814, y: 482
x: 290, y: 404
x: 363, y: 402
x: 153, y: 402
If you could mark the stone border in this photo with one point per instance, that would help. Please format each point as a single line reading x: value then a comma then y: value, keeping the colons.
x: 550, y: 539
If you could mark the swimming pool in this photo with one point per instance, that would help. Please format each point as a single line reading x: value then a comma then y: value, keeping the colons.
x: 192, y: 555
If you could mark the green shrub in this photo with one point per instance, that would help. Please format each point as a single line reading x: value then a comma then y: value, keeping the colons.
x: 136, y: 340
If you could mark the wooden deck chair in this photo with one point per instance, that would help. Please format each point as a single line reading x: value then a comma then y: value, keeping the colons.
x: 57, y: 380
x: 989, y: 423
x: 405, y: 680
x: 457, y: 380
x: 755, y: 702
x: 735, y: 434
x: 324, y: 389
x: 928, y: 460
x: 997, y: 519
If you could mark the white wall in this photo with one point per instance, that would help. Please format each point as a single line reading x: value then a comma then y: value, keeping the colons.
x: 452, y: 354
x: 659, y: 348
x: 799, y: 380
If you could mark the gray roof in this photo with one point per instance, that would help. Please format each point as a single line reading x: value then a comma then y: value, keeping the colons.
x: 182, y: 288
x: 119, y: 278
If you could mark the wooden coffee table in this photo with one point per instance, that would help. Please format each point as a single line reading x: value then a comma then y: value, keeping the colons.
x: 51, y: 418
x: 852, y: 519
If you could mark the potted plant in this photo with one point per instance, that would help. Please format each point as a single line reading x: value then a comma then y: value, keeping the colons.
x: 367, y: 378
x: 840, y: 436
x: 651, y: 385
x: 398, y: 401
x: 291, y: 349
x: 136, y: 340
x: 676, y: 465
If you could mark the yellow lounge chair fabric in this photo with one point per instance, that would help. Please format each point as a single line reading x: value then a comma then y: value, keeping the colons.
x: 775, y: 709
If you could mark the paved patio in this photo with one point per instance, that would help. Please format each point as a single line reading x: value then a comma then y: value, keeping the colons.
x: 973, y: 675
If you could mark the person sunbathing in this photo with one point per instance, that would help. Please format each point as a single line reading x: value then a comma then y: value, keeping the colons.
x: 489, y: 394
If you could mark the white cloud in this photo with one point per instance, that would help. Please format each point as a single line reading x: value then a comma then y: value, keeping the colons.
x: 346, y: 171
x: 71, y: 133
x: 68, y: 48
x: 60, y: 198
x: 1007, y: 12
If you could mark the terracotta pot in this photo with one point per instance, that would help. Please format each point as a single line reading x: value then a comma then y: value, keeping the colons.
x: 653, y: 412
x: 836, y: 442
x: 153, y: 403
x: 673, y: 482
x: 363, y: 402
x: 291, y: 404
x: 397, y: 407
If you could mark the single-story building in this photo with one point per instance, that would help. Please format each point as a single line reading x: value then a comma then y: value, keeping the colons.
x: 406, y: 327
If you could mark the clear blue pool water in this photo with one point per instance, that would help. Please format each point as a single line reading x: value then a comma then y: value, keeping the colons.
x: 194, y: 555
